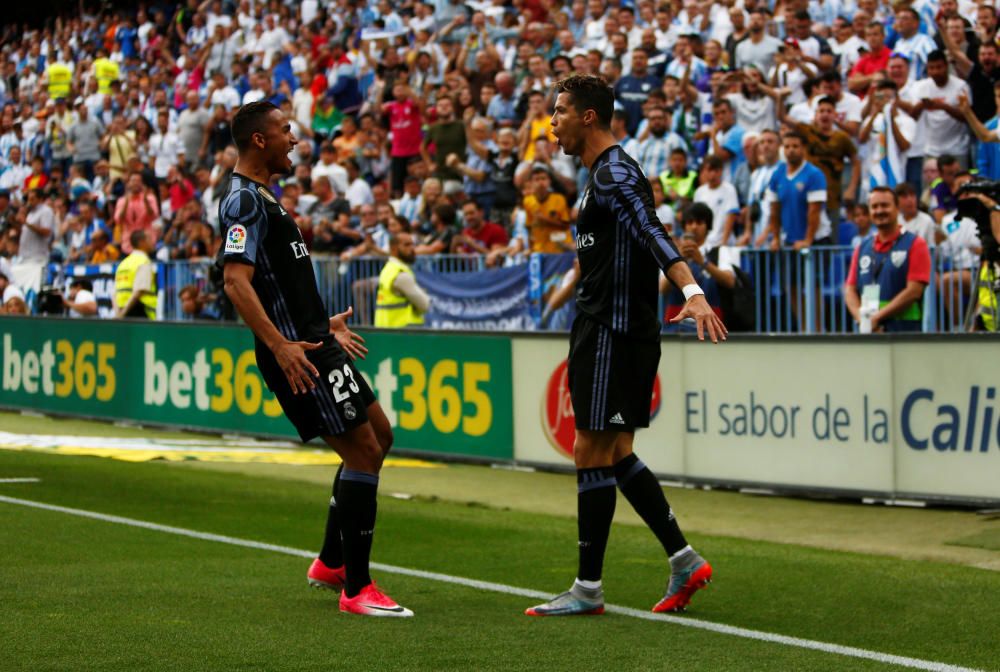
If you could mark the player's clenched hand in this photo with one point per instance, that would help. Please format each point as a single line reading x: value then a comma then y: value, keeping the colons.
x: 705, y: 318
x: 351, y: 342
x: 299, y: 371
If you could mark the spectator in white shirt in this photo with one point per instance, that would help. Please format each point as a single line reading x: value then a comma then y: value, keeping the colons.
x: 937, y: 96
x: 911, y: 217
x: 165, y: 147
x: 721, y: 197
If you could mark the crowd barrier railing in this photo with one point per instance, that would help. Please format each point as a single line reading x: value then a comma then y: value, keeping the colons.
x: 795, y: 291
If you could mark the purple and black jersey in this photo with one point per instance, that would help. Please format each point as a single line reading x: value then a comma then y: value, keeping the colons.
x: 621, y: 245
x: 259, y: 232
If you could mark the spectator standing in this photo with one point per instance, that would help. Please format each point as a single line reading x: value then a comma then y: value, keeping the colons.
x: 634, y: 88
x: 758, y: 207
x: 938, y: 94
x: 911, y: 217
x: 678, y: 181
x: 192, y: 124
x: 911, y: 43
x: 830, y: 150
x: 890, y: 131
x: 165, y: 148
x: 759, y: 48
x: 721, y: 198
x: 864, y: 72
x: 404, y: 114
x: 726, y: 138
x: 797, y: 196
x: 84, y: 138
x: 891, y: 269
x: 654, y: 151
x: 37, y: 232
x: 547, y: 216
x: 446, y: 136
x: 137, y: 210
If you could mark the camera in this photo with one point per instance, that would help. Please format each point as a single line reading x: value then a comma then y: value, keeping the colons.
x: 980, y: 214
x: 50, y: 301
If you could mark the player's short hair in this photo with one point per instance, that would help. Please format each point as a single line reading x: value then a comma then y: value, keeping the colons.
x: 722, y: 102
x: 905, y: 189
x: 248, y: 120
x: 802, y: 15
x: 886, y: 190
x: 827, y: 100
x: 770, y: 131
x: 830, y: 76
x: 699, y: 212
x: 909, y: 10
x: 679, y: 150
x: 589, y: 92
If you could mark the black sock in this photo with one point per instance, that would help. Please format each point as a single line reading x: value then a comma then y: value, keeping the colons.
x: 644, y: 493
x: 332, y: 554
x: 356, y: 501
x: 595, y: 499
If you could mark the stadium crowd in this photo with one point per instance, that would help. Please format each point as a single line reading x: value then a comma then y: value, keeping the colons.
x: 433, y: 117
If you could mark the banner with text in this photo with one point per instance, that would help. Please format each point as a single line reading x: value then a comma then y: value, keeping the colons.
x: 442, y: 393
x: 897, y: 418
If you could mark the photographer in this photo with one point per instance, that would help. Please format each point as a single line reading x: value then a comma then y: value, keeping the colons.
x: 81, y: 301
x: 989, y: 264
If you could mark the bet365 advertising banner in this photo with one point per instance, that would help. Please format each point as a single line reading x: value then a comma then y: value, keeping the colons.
x: 442, y: 393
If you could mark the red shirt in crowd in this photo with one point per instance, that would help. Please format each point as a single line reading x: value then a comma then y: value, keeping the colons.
x: 489, y: 234
x: 404, y: 121
x: 919, y: 269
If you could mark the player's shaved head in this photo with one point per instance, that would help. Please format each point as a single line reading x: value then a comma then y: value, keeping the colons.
x: 250, y: 119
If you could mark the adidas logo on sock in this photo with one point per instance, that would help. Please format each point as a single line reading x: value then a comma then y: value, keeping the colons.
x: 617, y: 419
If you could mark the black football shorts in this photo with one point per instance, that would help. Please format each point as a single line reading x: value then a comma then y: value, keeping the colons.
x: 337, y: 404
x: 610, y: 377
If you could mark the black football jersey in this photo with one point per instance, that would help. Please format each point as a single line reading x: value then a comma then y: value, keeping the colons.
x: 621, y: 245
x: 259, y: 232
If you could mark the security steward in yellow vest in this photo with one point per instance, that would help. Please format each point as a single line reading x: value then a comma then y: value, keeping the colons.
x: 400, y: 301
x: 135, y: 280
x: 60, y: 78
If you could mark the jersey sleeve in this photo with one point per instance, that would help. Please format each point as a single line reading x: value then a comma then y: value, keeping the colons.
x: 623, y: 190
x: 242, y: 217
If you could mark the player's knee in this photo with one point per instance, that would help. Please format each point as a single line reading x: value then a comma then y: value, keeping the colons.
x: 368, y: 456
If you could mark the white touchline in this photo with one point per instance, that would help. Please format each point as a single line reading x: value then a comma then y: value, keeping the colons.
x: 850, y: 651
x: 20, y: 480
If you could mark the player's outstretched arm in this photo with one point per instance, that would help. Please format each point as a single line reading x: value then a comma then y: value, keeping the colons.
x: 696, y: 307
x: 290, y: 355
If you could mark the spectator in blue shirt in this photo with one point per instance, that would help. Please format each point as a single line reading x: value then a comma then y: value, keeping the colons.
x: 632, y: 89
x: 503, y: 105
x: 797, y: 195
x: 726, y: 137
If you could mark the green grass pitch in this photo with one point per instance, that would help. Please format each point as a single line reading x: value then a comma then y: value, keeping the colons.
x: 80, y: 594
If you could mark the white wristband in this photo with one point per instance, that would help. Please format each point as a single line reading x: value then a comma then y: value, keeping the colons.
x: 692, y: 290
